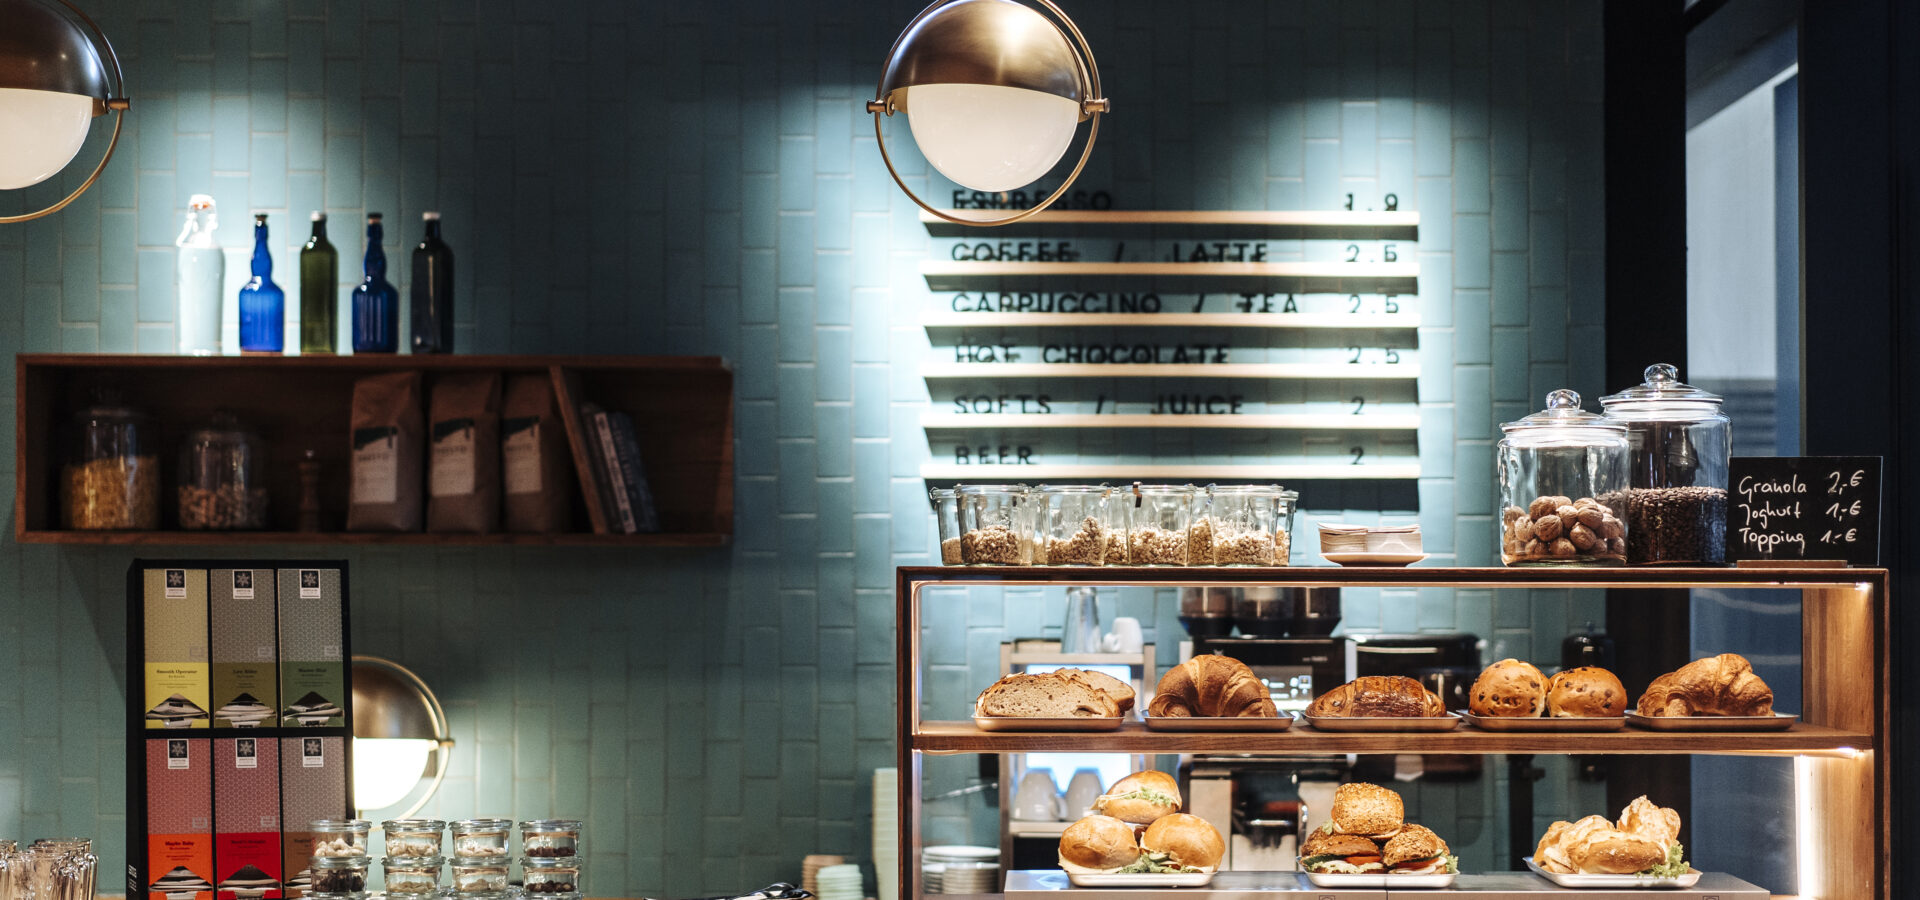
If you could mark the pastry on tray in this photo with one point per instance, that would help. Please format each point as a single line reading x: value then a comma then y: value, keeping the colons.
x: 1645, y: 841
x: 1212, y: 686
x: 1721, y: 685
x: 1388, y: 696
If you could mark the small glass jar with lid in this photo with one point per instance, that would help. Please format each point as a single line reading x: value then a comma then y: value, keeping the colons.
x: 946, y: 517
x: 339, y: 877
x: 1557, y: 468
x: 1681, y: 443
x: 342, y: 838
x: 1073, y: 522
x: 412, y: 875
x: 413, y: 838
x: 481, y: 838
x: 550, y: 838
x: 996, y: 524
x: 111, y: 478
x: 1248, y: 525
x: 484, y: 877
x: 1159, y: 520
x: 221, y: 487
x: 549, y: 876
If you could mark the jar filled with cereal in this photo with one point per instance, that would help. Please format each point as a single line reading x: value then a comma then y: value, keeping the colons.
x: 111, y: 479
x: 1073, y: 523
x: 946, y: 516
x: 1159, y: 523
x: 996, y: 524
x: 1249, y: 525
x: 1557, y: 470
x: 221, y: 487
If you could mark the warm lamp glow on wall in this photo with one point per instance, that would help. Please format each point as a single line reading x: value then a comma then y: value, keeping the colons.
x: 400, y: 736
x: 54, y: 81
x: 993, y: 92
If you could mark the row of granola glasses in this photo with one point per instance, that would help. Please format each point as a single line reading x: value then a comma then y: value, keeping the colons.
x: 1101, y: 525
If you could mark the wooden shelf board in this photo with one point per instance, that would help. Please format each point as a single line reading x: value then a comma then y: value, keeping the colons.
x: 245, y: 538
x: 1301, y: 371
x: 1271, y: 421
x: 1627, y: 577
x: 1356, y: 321
x: 1175, y: 473
x: 1277, y: 223
x: 1802, y: 739
x: 1343, y: 277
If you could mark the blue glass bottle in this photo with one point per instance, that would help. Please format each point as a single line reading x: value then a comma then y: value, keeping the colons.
x: 263, y: 305
x: 376, y: 303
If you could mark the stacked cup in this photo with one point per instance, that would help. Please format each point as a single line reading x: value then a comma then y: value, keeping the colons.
x: 551, y: 866
x: 480, y: 852
x: 886, y: 832
x: 340, y: 861
x: 412, y: 864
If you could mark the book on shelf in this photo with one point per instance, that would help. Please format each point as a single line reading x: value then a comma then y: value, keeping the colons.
x: 625, y: 499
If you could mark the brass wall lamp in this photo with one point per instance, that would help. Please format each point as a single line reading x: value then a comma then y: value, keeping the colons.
x: 54, y: 80
x: 994, y: 92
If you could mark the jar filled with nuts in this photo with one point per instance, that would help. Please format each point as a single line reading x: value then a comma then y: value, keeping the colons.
x: 221, y: 486
x: 996, y: 524
x: 1159, y: 523
x: 111, y: 479
x: 1557, y: 468
x: 1249, y: 525
x: 1073, y: 523
x: 946, y: 515
x: 1681, y: 443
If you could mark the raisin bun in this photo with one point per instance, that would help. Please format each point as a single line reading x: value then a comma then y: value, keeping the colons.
x: 1509, y: 688
x: 1588, y: 692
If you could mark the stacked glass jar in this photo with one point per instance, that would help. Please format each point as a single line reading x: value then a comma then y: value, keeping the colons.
x: 996, y: 524
x: 480, y: 857
x: 412, y: 864
x: 340, y: 861
x: 1681, y: 444
x: 551, y: 866
x: 1560, y: 471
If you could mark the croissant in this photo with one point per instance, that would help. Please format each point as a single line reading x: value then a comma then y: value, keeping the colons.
x: 1212, y: 686
x: 1392, y: 696
x: 1721, y: 685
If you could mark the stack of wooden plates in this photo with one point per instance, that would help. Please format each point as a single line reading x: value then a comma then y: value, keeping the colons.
x: 810, y: 870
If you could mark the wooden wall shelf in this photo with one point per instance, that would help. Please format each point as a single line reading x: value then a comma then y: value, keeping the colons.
x: 946, y: 472
x: 1305, y: 371
x: 1354, y: 321
x: 682, y: 408
x: 1276, y: 224
x: 1268, y: 421
x: 1191, y: 277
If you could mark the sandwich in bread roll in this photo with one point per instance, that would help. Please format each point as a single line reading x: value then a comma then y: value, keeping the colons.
x: 1368, y: 810
x: 1098, y: 845
x: 1416, y: 850
x: 1140, y: 798
x: 1650, y: 820
x: 1184, y: 843
x: 1328, y: 853
x: 1644, y: 842
x: 1588, y: 692
x: 1508, y: 688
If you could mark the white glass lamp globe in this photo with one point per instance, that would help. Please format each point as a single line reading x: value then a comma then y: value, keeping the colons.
x: 40, y: 131
x: 386, y: 770
x: 988, y: 137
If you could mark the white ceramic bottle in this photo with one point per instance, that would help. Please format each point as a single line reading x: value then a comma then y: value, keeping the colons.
x: 201, y: 270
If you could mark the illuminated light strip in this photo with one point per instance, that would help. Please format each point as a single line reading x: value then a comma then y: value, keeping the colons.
x: 1804, y: 855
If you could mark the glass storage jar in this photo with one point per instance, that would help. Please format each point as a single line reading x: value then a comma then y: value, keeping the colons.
x: 414, y: 838
x: 479, y: 876
x: 550, y: 838
x: 946, y: 516
x: 417, y: 875
x: 1248, y: 525
x: 479, y: 838
x: 1159, y: 522
x: 340, y: 837
x: 550, y: 876
x: 1680, y: 442
x: 996, y: 524
x: 111, y: 479
x: 1555, y: 468
x: 1073, y: 523
x: 339, y: 877
x: 221, y: 487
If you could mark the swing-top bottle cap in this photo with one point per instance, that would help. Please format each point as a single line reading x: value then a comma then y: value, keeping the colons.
x: 317, y: 216
x: 373, y: 217
x: 430, y: 217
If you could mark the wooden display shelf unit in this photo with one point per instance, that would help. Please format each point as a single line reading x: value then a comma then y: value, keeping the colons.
x: 682, y: 409
x: 1296, y: 371
x: 1277, y: 224
x: 1840, y: 746
x: 1170, y: 472
x: 1176, y: 277
x: 1268, y: 421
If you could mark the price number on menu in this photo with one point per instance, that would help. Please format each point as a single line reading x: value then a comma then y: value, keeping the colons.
x: 1805, y: 508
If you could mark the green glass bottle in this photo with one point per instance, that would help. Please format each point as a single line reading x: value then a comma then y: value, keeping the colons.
x: 319, y: 289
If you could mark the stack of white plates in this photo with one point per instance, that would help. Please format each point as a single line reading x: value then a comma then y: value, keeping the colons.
x: 958, y: 869
x: 840, y: 882
x: 886, y: 832
x: 810, y: 870
x: 970, y: 878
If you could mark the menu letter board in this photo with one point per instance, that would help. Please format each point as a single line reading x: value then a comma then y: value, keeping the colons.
x: 1804, y: 508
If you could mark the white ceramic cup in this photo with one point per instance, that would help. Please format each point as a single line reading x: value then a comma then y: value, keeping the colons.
x: 1082, y: 789
x: 1127, y: 637
x: 1038, y: 799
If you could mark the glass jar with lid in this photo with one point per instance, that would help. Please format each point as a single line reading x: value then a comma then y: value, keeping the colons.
x: 340, y: 837
x: 946, y: 517
x: 416, y: 875
x: 339, y: 877
x: 480, y: 838
x: 1159, y: 523
x: 1073, y: 522
x: 413, y: 837
x: 1680, y: 443
x: 1557, y: 469
x: 1249, y: 525
x: 551, y: 876
x: 221, y: 486
x: 485, y: 877
x: 550, y: 838
x: 111, y: 477
x: 996, y: 524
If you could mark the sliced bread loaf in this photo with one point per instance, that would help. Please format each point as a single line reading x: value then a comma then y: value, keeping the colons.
x: 1046, y: 695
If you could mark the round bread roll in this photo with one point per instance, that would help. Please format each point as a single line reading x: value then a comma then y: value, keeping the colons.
x: 1368, y: 810
x: 1186, y: 840
x: 1097, y: 844
x: 1508, y: 688
x: 1588, y: 692
x: 1140, y: 798
x: 1414, y: 844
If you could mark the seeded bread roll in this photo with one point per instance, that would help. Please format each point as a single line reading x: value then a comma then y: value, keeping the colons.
x: 1585, y: 693
x: 1368, y: 810
x: 1509, y: 689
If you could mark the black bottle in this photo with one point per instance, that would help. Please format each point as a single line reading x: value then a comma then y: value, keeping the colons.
x: 432, y: 291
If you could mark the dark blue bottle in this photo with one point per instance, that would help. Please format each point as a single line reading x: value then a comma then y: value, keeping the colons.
x: 263, y: 305
x: 376, y: 303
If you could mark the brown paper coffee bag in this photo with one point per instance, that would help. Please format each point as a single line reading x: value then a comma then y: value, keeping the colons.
x: 463, y: 455
x: 388, y: 444
x: 535, y: 462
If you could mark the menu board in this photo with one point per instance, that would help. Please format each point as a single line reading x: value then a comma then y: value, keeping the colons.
x: 1804, y: 508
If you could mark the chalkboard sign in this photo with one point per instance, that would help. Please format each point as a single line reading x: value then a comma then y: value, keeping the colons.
x: 1804, y: 507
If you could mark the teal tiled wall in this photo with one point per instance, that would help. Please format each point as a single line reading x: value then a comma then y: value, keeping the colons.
x: 697, y: 178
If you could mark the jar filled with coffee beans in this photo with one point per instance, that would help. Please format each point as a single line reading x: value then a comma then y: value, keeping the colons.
x: 1557, y: 468
x: 1681, y: 442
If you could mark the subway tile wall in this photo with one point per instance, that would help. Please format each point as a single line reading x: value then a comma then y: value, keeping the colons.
x: 622, y: 177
